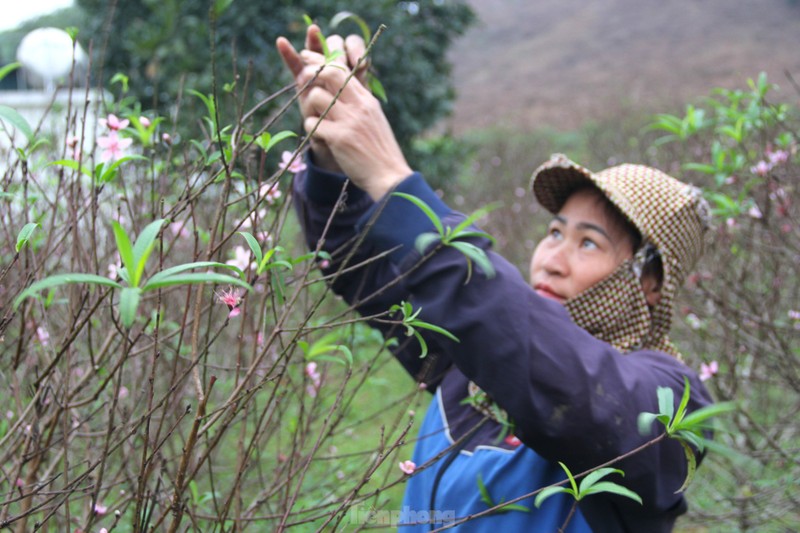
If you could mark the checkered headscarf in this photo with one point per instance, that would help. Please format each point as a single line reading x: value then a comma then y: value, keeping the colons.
x: 669, y: 214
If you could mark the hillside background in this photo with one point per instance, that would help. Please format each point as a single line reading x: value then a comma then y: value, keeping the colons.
x: 558, y: 63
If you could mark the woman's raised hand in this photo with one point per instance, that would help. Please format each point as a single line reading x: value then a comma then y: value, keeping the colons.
x: 350, y: 131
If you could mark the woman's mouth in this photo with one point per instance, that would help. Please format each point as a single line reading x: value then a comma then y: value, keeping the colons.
x: 545, y: 291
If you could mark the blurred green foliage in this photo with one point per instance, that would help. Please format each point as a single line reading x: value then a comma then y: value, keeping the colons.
x: 166, y: 45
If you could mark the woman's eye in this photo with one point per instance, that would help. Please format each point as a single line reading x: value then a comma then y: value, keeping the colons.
x: 589, y: 244
x: 554, y: 232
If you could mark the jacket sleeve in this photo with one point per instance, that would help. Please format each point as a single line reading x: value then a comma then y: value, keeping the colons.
x: 335, y: 215
x: 573, y: 398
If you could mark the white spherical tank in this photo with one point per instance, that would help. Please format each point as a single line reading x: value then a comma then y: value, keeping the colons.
x: 47, y: 54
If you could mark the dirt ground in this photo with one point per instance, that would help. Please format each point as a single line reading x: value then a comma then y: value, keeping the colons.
x: 559, y: 63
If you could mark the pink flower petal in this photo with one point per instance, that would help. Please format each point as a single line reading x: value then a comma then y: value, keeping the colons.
x: 296, y: 166
x: 407, y: 467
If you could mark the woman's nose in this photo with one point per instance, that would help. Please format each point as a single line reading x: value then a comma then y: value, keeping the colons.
x: 557, y: 260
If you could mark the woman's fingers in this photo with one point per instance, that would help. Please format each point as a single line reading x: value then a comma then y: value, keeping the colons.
x: 314, y: 39
x: 332, y: 78
x: 336, y: 44
x: 292, y: 60
x: 318, y: 100
x: 355, y: 48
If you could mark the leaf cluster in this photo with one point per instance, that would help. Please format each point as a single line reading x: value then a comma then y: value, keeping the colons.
x: 454, y: 237
x: 134, y: 259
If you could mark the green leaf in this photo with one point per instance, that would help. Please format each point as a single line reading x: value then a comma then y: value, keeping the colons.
x: 343, y: 16
x: 200, y: 148
x: 333, y: 359
x: 682, y: 406
x: 74, y: 165
x: 425, y: 209
x: 645, y: 422
x: 36, y: 145
x: 278, y: 137
x: 110, y: 172
x: 666, y: 122
x: 704, y: 413
x: 476, y: 234
x: 700, y: 167
x: 194, y: 491
x: 144, y: 245
x: 571, y: 479
x: 424, y: 240
x: 122, y: 272
x: 695, y: 439
x: 513, y: 507
x: 437, y: 329
x: 592, y: 477
x: 485, y: 496
x: 312, y: 255
x: 261, y: 266
x: 211, y: 107
x: 128, y: 303
x: 324, y: 342
x: 691, y: 466
x: 11, y: 116
x: 122, y: 79
x: 376, y: 87
x: 320, y: 349
x: 547, y: 492
x: 124, y: 248
x: 666, y: 404
x: 255, y: 247
x: 6, y: 69
x: 220, y: 6
x: 64, y: 279
x: 25, y: 234
x: 283, y: 264
x: 171, y: 271
x: 195, y: 278
x: 613, y: 488
x: 468, y: 221
x: 423, y: 353
x: 477, y: 255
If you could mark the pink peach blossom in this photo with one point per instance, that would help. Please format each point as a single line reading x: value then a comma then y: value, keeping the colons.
x: 179, y: 229
x: 242, y: 260
x: 778, y: 156
x: 43, y: 336
x: 232, y: 299
x: 707, y: 371
x: 113, y: 146
x: 761, y: 168
x: 113, y: 123
x: 315, y: 377
x: 295, y: 166
x: 270, y: 192
x: 407, y: 467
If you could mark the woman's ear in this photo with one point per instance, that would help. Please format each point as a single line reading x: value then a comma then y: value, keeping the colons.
x: 651, y: 286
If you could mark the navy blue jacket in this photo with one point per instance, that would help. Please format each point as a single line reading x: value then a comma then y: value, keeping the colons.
x: 572, y: 398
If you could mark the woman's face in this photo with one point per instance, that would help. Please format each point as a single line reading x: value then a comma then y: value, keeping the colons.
x: 582, y: 247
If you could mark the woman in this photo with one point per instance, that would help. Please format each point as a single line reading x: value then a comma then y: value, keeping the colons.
x: 555, y: 370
